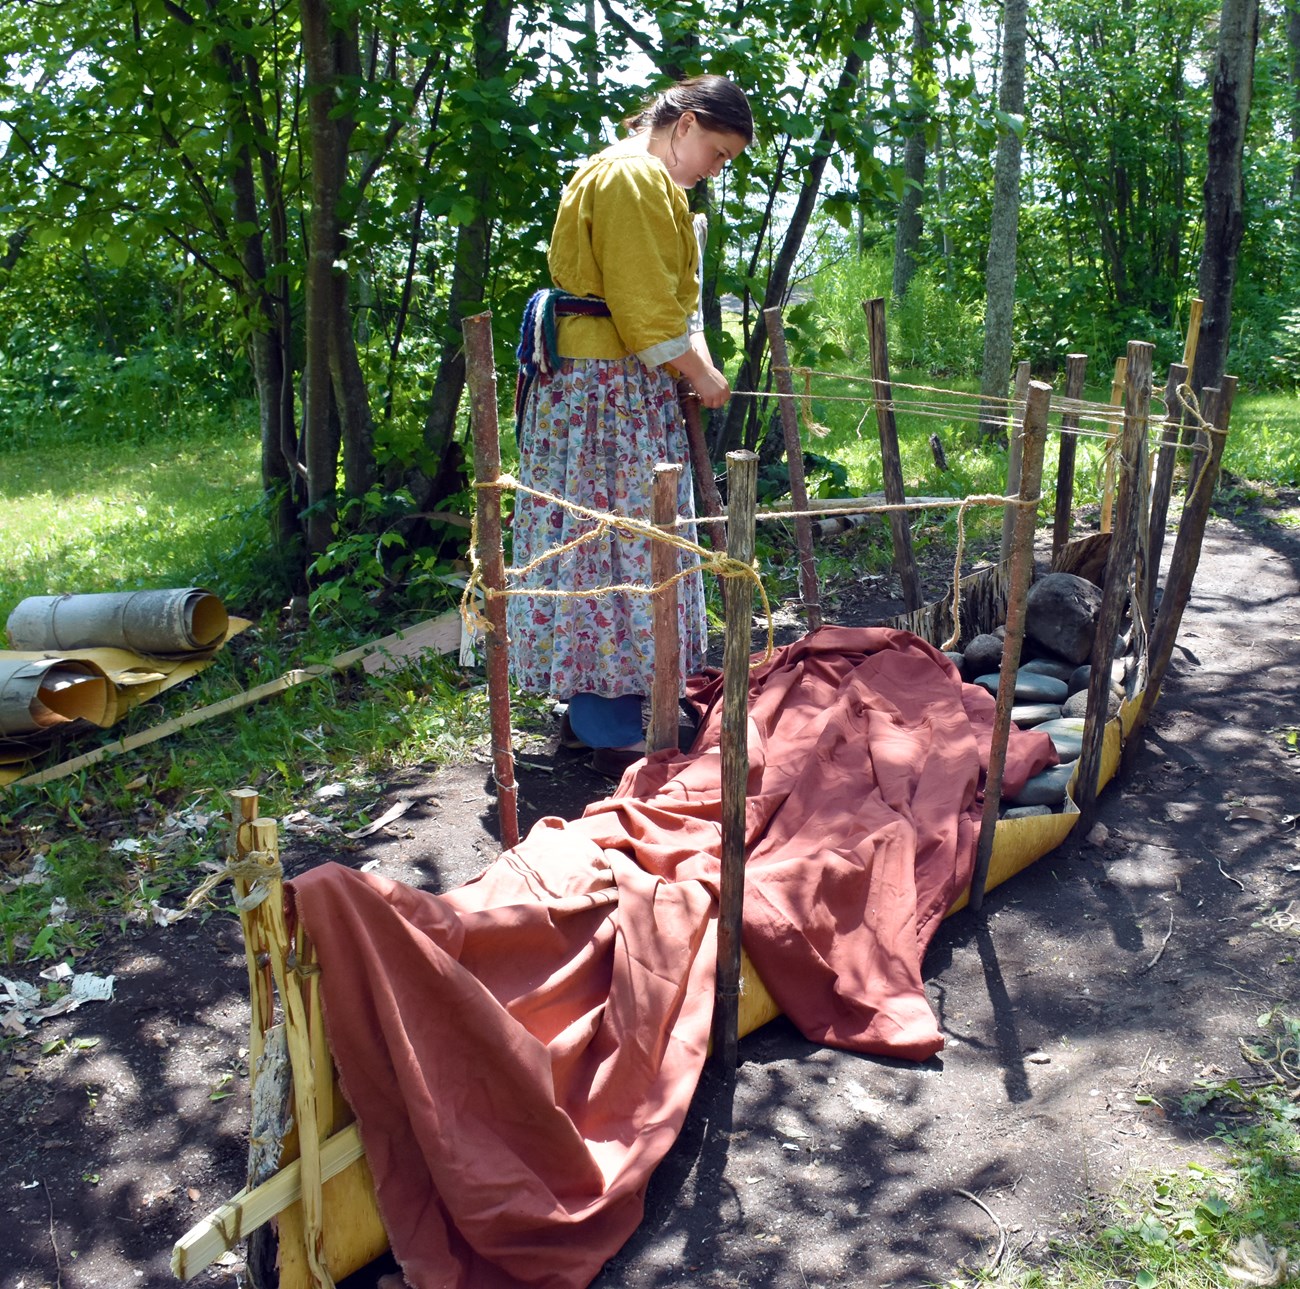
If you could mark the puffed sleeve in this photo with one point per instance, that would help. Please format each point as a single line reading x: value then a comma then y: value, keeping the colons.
x: 643, y: 240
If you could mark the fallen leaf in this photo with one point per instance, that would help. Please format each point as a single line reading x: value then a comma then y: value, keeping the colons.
x: 395, y: 811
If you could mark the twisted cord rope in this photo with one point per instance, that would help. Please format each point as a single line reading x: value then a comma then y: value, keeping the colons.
x: 717, y: 563
x: 257, y: 868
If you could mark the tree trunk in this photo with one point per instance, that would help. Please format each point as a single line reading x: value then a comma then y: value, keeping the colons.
x: 320, y: 433
x: 907, y: 236
x: 999, y: 313
x: 470, y: 265
x: 1293, y: 58
x: 266, y: 352
x: 1224, y: 199
x: 778, y: 282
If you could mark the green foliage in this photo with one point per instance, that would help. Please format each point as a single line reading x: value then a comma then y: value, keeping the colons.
x: 930, y: 329
x: 370, y: 564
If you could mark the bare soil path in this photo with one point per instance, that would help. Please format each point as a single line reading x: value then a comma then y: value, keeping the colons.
x: 1085, y: 1000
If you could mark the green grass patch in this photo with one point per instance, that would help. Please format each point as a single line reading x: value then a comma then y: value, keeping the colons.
x: 105, y: 516
x: 1264, y: 439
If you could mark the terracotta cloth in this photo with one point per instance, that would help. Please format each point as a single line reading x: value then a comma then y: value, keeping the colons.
x: 521, y: 1052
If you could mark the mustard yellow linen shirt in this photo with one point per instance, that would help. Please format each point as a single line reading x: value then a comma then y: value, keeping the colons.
x: 624, y: 232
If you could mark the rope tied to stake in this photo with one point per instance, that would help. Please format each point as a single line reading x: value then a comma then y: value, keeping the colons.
x: 716, y: 562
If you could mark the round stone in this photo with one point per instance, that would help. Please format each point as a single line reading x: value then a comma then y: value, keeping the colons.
x: 983, y: 654
x: 1050, y: 667
x: 1027, y: 715
x: 1046, y: 789
x: 1031, y: 687
x: 1077, y: 704
x: 1061, y: 613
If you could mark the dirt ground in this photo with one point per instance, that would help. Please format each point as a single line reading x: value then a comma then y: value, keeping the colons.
x: 1086, y: 998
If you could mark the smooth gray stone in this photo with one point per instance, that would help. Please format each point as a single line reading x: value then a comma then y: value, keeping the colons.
x: 1064, y: 725
x: 1061, y: 613
x: 1068, y: 743
x: 983, y: 654
x: 1050, y: 667
x: 1079, y: 678
x: 1030, y: 714
x: 1032, y: 687
x: 1046, y: 789
x: 957, y: 660
x: 1027, y: 812
x: 1077, y: 704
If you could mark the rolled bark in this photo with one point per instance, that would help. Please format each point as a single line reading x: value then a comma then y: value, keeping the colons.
x: 37, y: 695
x: 188, y: 620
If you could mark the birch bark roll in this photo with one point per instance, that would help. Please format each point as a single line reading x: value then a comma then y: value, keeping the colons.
x: 160, y: 622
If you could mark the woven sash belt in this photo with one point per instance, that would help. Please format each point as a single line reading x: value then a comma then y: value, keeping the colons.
x: 537, y: 344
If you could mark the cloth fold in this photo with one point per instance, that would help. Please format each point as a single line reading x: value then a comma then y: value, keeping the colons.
x: 521, y: 1052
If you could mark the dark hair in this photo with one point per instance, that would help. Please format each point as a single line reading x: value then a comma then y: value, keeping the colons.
x: 717, y: 103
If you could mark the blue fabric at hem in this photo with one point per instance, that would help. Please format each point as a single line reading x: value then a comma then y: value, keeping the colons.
x: 606, y: 722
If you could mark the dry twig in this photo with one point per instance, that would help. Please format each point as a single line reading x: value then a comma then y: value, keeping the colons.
x: 1163, y: 943
x: 1002, y: 1231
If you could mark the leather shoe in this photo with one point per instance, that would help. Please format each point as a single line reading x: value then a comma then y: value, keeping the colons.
x: 612, y: 761
x: 568, y: 739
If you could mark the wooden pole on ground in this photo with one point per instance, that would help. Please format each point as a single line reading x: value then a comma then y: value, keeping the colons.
x: 1108, y: 487
x: 1015, y: 447
x: 1216, y: 409
x: 665, y: 560
x: 738, y: 593
x: 702, y: 466
x: 1130, y: 458
x: 890, y: 460
x: 480, y: 373
x: 808, y: 590
x: 1162, y: 484
x: 1033, y: 440
x: 1076, y: 367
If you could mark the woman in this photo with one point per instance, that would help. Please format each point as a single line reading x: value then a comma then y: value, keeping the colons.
x: 599, y: 414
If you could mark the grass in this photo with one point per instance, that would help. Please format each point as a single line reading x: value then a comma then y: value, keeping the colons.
x: 102, y: 515
x: 1264, y: 442
x: 1234, y: 1220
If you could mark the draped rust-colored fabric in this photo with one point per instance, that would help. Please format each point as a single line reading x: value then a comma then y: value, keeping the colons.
x: 521, y: 1052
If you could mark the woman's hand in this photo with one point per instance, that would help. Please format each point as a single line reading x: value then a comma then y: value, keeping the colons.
x: 710, y: 384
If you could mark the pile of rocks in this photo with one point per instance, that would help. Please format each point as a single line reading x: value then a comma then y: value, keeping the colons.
x: 1061, y: 615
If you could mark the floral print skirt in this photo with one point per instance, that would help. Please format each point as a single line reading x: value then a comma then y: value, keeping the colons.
x: 593, y: 434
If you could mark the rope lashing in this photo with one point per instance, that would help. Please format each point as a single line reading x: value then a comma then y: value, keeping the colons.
x: 715, y: 562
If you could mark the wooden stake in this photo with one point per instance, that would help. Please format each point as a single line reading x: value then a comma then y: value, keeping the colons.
x: 738, y: 592
x: 1162, y: 484
x: 1108, y: 487
x: 243, y: 810
x: 1076, y: 367
x: 1182, y: 564
x: 1015, y: 447
x: 808, y: 589
x: 480, y: 373
x: 665, y: 561
x: 702, y: 467
x: 891, y: 462
x: 1034, y: 438
x: 1130, y: 455
x: 1191, y: 437
x: 1195, y: 312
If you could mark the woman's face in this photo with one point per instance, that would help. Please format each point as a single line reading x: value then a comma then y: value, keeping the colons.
x: 694, y: 152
